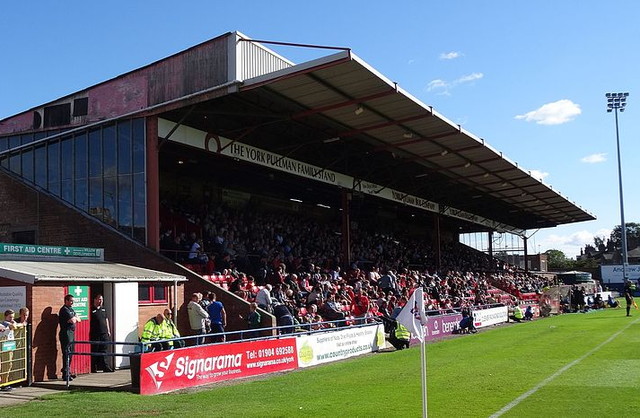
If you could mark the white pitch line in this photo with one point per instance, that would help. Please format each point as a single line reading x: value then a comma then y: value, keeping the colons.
x: 546, y: 381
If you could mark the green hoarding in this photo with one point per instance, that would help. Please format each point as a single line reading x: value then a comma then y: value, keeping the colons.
x: 48, y: 251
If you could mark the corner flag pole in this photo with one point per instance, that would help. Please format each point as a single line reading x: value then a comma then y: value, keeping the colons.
x: 423, y: 361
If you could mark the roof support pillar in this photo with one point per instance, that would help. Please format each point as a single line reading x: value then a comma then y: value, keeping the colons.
x: 526, y: 255
x: 490, y: 240
x: 346, y: 228
x: 437, y: 239
x: 153, y: 185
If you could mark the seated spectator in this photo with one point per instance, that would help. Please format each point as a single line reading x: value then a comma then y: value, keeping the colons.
x: 612, y: 303
x: 360, y: 306
x: 528, y: 313
x: 197, y: 254
x: 331, y: 310
x: 313, y: 318
x: 154, y: 331
x: 171, y: 331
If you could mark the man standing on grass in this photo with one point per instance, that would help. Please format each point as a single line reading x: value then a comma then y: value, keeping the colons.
x: 628, y: 295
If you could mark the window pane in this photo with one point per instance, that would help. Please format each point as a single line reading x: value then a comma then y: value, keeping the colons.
x: 159, y: 293
x: 125, y: 206
x: 95, y: 197
x: 143, y: 292
x: 53, y: 151
x: 138, y: 145
x: 15, y: 163
x: 81, y: 195
x: 14, y: 141
x: 124, y: 147
x: 80, y: 143
x: 27, y: 165
x: 110, y: 215
x: 109, y: 150
x: 4, y: 143
x: 66, y: 151
x: 41, y: 166
x: 139, y: 208
x: 26, y: 138
x: 67, y: 190
x: 95, y: 154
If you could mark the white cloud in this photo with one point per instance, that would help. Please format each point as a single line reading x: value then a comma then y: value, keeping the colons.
x: 411, y: 61
x: 444, y: 87
x: 436, y: 84
x: 555, y: 113
x: 469, y: 78
x: 595, y: 158
x: 540, y: 175
x: 450, y: 55
x: 571, y: 244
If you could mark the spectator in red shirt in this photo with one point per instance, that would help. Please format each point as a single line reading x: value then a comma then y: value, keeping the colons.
x: 360, y: 306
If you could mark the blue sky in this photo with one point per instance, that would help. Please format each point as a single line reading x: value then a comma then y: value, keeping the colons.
x: 528, y: 77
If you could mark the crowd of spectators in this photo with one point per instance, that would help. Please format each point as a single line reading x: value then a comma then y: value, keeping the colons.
x: 290, y: 266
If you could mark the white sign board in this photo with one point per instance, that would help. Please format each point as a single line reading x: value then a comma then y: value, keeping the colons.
x: 13, y: 297
x: 613, y: 274
x: 325, y: 347
x: 491, y: 316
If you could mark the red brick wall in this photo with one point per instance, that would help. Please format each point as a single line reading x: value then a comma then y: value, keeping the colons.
x: 45, y: 304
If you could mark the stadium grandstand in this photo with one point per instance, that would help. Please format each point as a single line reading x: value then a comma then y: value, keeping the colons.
x: 236, y: 169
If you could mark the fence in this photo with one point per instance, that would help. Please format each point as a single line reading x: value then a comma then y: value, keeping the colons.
x: 15, y: 358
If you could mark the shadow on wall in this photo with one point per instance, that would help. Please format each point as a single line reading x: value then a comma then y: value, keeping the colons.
x: 45, y: 350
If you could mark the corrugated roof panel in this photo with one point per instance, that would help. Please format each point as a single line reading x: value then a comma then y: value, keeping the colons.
x: 400, y: 124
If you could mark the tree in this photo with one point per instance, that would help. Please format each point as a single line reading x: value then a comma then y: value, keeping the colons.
x: 585, y: 264
x: 558, y: 261
x: 633, y: 235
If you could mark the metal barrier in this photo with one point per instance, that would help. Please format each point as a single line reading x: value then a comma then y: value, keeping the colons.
x: 141, y: 347
x: 244, y: 335
x: 15, y: 359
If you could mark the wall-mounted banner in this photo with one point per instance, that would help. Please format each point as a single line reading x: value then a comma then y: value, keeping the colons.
x: 165, y: 371
x: 233, y: 149
x: 324, y: 347
x: 491, y: 316
x: 46, y: 251
x: 614, y: 273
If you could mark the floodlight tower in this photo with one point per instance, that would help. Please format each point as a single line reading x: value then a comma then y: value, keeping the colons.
x: 615, y: 102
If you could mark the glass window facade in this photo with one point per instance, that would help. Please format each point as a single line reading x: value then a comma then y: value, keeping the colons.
x: 100, y: 171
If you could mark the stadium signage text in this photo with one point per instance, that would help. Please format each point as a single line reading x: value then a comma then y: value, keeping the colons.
x: 224, y: 146
x: 48, y: 251
x: 614, y: 273
x: 491, y: 316
x: 438, y: 326
x: 165, y: 371
x: 330, y: 346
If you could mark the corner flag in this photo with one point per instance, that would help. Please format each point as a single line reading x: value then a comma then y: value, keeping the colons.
x: 412, y: 315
